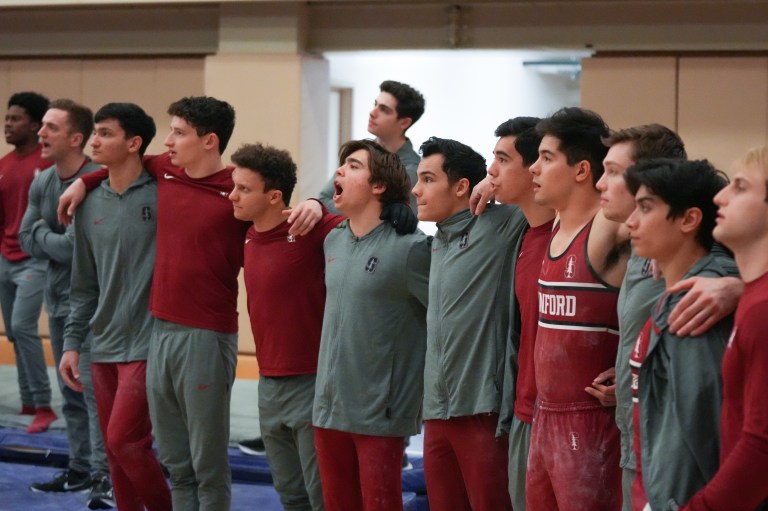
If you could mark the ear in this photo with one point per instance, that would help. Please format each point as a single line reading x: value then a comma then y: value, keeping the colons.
x: 75, y: 139
x: 378, y: 188
x: 691, y: 220
x: 211, y: 141
x: 275, y: 197
x: 462, y: 188
x: 583, y: 171
x: 134, y: 144
x: 404, y: 123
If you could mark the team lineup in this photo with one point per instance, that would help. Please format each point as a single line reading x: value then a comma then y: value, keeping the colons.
x: 582, y: 332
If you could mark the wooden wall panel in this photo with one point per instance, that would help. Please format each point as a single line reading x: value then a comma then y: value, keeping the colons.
x: 628, y: 91
x: 723, y: 106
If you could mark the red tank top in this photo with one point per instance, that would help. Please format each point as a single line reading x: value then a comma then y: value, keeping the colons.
x: 578, y: 325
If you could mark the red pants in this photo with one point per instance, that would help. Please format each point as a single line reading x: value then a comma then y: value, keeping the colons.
x: 573, y: 464
x: 359, y: 472
x: 465, y: 465
x: 121, y: 400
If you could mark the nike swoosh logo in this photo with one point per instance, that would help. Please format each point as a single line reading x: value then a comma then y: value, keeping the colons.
x: 168, y: 176
x: 203, y: 386
x: 332, y: 259
x: 97, y: 222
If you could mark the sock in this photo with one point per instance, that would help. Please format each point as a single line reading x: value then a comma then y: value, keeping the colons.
x: 43, y: 418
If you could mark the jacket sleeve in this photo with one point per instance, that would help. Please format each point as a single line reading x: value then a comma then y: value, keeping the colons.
x: 419, y: 258
x: 84, y: 291
x: 32, y: 219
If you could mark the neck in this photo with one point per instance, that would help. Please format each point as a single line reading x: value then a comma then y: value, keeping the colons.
x: 26, y: 147
x: 393, y: 144
x: 68, y: 165
x: 207, y: 166
x: 270, y: 219
x: 123, y: 174
x: 578, y: 211
x: 752, y: 259
x: 676, y: 266
x: 535, y: 214
x: 366, y: 220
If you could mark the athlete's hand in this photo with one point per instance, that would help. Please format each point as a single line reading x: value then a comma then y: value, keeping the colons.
x: 481, y: 195
x: 304, y: 217
x: 69, y: 200
x: 708, y: 300
x: 604, y: 387
x: 69, y: 371
x: 400, y: 216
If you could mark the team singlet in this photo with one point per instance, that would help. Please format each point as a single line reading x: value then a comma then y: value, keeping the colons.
x: 578, y: 325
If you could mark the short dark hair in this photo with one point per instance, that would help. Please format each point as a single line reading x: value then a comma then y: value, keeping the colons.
x: 527, y: 139
x: 80, y: 117
x: 649, y: 141
x: 410, y: 102
x: 206, y: 115
x: 134, y: 121
x: 682, y: 185
x: 460, y: 160
x: 33, y: 103
x: 580, y: 133
x: 275, y: 166
x: 386, y: 169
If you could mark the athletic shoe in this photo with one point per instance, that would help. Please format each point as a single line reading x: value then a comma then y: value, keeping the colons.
x: 44, y: 416
x: 27, y: 410
x: 102, y: 495
x: 66, y: 480
x: 252, y: 447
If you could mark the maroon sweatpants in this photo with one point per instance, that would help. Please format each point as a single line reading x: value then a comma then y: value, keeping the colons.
x: 465, y: 465
x: 573, y: 464
x: 359, y: 472
x: 121, y: 400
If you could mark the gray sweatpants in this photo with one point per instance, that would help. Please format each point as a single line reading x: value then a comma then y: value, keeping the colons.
x: 86, y: 446
x: 190, y: 372
x: 519, y: 445
x: 285, y: 418
x: 21, y: 300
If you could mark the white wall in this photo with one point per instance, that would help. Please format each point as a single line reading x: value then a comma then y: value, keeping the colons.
x: 468, y: 92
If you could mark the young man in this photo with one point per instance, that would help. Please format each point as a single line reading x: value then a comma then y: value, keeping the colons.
x: 574, y: 457
x: 193, y: 350
x: 467, y: 326
x: 708, y: 301
x: 368, y: 393
x: 397, y: 107
x: 65, y: 130
x: 283, y: 274
x: 22, y: 278
x: 675, y: 380
x: 742, y: 225
x: 111, y: 279
x: 515, y: 151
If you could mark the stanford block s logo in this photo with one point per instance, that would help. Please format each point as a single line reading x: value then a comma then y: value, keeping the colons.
x: 370, y: 266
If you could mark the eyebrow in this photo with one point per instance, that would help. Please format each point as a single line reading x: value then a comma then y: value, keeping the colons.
x: 354, y: 160
x: 501, y: 153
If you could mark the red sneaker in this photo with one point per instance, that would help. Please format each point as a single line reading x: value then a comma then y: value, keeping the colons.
x: 27, y: 410
x: 43, y: 418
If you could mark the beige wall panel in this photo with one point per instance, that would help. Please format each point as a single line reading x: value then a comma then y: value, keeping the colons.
x: 174, y: 79
x: 265, y: 92
x: 723, y: 106
x: 628, y: 91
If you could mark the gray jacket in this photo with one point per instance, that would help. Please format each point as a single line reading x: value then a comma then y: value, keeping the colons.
x: 112, y: 271
x: 371, y: 363
x: 470, y: 306
x: 680, y: 395
x: 43, y: 237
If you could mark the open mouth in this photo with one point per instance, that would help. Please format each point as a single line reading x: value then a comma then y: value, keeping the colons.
x: 337, y: 190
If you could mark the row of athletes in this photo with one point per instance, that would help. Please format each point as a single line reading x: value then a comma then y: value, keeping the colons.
x: 491, y: 362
